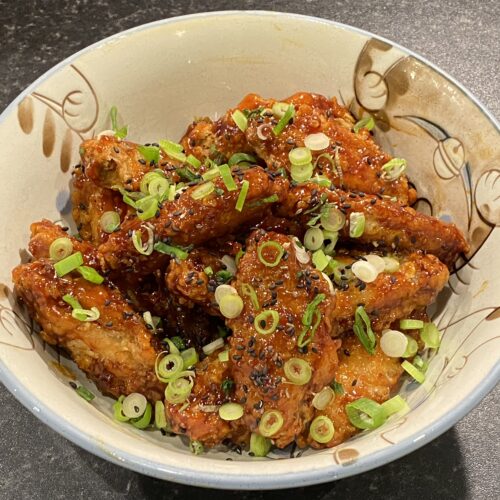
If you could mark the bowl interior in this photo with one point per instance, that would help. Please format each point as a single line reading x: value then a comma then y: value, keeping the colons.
x: 161, y: 76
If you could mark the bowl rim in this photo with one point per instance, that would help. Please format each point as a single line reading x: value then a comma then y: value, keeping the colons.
x: 227, y: 478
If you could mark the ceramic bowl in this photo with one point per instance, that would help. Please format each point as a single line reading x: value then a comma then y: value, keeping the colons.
x: 163, y: 74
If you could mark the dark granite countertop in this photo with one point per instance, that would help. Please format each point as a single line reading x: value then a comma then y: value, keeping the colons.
x: 460, y: 36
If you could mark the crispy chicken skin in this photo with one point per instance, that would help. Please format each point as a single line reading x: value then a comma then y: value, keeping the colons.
x: 116, y: 351
x: 388, y: 225
x: 257, y: 361
x: 394, y: 295
x: 187, y: 221
x: 361, y: 375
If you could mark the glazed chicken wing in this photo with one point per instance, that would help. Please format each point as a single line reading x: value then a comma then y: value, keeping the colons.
x: 258, y: 361
x: 116, y: 351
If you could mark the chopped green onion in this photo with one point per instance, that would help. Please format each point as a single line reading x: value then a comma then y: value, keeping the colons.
x: 230, y: 411
x: 178, y: 343
x: 227, y: 385
x: 150, y: 153
x: 241, y: 158
x: 160, y: 418
x: 223, y: 276
x: 363, y: 330
x: 213, y: 346
x: 268, y: 199
x: 134, y: 405
x: 68, y: 264
x: 168, y: 367
x: 413, y: 371
x: 148, y: 178
x: 411, y: 324
x: 196, y: 447
x: 117, y: 410
x: 90, y: 274
x: 158, y: 187
x: 223, y: 356
x: 91, y: 314
x: 240, y: 202
x: 300, y: 156
x: 430, y: 335
x: 322, y: 180
x: 240, y: 119
x: 301, y: 173
x: 146, y: 207
x: 223, y: 290
x: 391, y: 264
x: 394, y: 405
x: 85, y: 393
x: 143, y: 248
x: 151, y: 321
x: 193, y: 161
x: 270, y: 423
x: 393, y: 169
x: 171, y: 192
x: 69, y: 299
x: 172, y: 250
x: 320, y: 260
x: 307, y: 317
x: 190, y: 357
x: 289, y: 114
x: 178, y: 390
x: 211, y: 174
x: 337, y: 387
x: 275, y: 246
x: 173, y: 150
x: 307, y: 334
x: 238, y: 256
x: 323, y: 398
x: 266, y: 322
x: 376, y: 261
x: 109, y: 221
x: 313, y: 239
x: 230, y: 264
x: 260, y: 446
x: 365, y: 413
x: 185, y: 174
x: 420, y: 363
x: 393, y: 343
x: 332, y: 219
x: 297, y: 371
x: 364, y: 271
x: 249, y: 291
x: 120, y: 132
x: 322, y: 429
x: 411, y: 348
x: 317, y: 142
x: 145, y: 420
x: 279, y: 109
x: 231, y: 306
x: 208, y: 270
x: 356, y: 224
x: 367, y: 122
x: 227, y: 178
x: 60, y: 248
x: 331, y: 237
x: 203, y: 190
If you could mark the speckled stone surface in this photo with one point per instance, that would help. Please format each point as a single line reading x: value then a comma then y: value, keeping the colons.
x: 462, y: 37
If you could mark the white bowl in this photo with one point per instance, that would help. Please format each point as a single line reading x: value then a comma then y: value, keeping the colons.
x: 160, y: 76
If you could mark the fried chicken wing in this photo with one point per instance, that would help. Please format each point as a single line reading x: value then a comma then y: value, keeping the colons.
x: 360, y: 374
x: 388, y: 225
x: 116, y: 351
x: 258, y: 360
x: 189, y: 221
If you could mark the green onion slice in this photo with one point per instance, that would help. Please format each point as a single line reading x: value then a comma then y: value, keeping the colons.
x: 307, y: 334
x: 363, y: 330
x: 143, y: 248
x: 160, y: 418
x: 307, y: 318
x: 330, y: 240
x: 68, y: 264
x: 231, y: 306
x: 230, y: 411
x: 249, y: 291
x: 365, y: 413
x: 300, y: 156
x: 393, y: 343
x: 391, y: 264
x: 227, y: 178
x: 134, y: 405
x: 394, y: 405
x: 146, y: 207
x: 203, y: 190
x: 320, y: 259
x: 337, y: 387
x: 332, y: 219
x: 72, y: 301
x: 411, y: 347
x: 279, y: 109
x: 190, y: 357
x: 168, y: 367
x: 178, y: 344
x: 120, y: 132
x: 196, y: 447
x: 240, y: 119
x: 211, y: 174
x: 313, y: 239
x: 208, y: 270
x: 172, y: 250
x: 117, y: 410
x: 90, y: 274
x: 91, y: 314
x: 413, y: 371
x: 356, y: 224
x: 323, y: 398
x: 317, y: 142
x: 150, y: 153
x: 148, y: 178
x: 430, y: 335
x: 223, y: 356
x: 260, y: 446
x: 145, y: 420
x: 366, y: 122
x: 173, y: 150
x: 266, y: 322
x: 322, y: 429
x: 270, y: 423
x: 109, y: 221
x: 301, y: 173
x: 411, y: 324
x: 393, y: 169
x: 193, y: 161
x: 297, y: 371
x: 84, y: 393
x: 178, y: 390
x: 241, y: 158
x: 420, y: 364
x: 276, y: 248
x: 213, y: 346
x: 60, y: 248
x: 240, y: 202
x: 289, y: 114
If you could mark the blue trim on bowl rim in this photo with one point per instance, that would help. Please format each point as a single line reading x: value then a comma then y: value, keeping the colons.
x: 232, y: 480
